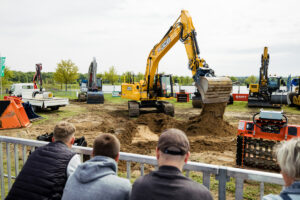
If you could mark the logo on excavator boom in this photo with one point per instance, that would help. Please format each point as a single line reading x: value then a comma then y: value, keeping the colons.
x: 164, y: 44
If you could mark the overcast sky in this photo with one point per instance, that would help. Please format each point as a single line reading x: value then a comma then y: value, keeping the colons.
x: 231, y: 34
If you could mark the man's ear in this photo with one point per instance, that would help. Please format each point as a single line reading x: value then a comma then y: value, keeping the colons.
x: 117, y: 158
x: 157, y: 153
x: 72, y: 140
x: 187, y: 157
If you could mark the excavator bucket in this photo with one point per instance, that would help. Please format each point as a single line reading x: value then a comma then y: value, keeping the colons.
x: 214, y: 89
x: 96, y: 97
x: 12, y: 114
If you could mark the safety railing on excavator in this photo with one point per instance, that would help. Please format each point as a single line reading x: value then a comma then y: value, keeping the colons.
x: 20, y: 148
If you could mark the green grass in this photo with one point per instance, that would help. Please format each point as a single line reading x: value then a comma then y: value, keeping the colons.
x: 111, y: 99
x: 58, y: 115
x: 65, y: 94
x: 181, y: 104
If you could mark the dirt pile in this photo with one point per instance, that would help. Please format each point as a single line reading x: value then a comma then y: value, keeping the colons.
x: 209, y: 122
x: 157, y: 122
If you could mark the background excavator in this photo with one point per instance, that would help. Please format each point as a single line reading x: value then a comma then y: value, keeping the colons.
x: 295, y: 96
x: 155, y: 88
x: 267, y: 92
x: 94, y: 85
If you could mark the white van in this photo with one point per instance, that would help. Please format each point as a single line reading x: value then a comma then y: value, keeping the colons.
x: 19, y: 88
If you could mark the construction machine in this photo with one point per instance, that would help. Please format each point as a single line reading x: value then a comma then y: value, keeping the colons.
x: 82, y: 95
x: 256, y: 138
x: 267, y: 92
x: 156, y: 88
x: 294, y: 97
x: 94, y: 93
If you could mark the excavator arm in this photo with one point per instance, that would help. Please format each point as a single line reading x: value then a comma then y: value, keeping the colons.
x: 38, y: 76
x: 212, y: 89
x: 184, y: 31
x: 263, y: 72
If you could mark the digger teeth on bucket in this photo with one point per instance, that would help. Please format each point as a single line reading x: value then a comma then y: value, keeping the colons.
x: 214, y: 89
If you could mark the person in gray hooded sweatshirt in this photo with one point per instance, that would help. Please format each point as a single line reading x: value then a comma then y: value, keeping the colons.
x: 97, y: 178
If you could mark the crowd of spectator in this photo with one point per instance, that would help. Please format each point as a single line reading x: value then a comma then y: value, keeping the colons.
x: 54, y: 171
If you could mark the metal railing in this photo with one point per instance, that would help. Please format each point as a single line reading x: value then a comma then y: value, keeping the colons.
x: 221, y: 173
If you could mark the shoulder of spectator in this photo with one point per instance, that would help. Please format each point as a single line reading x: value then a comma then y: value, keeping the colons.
x: 124, y: 181
x: 73, y: 164
x: 75, y: 159
x: 140, y: 182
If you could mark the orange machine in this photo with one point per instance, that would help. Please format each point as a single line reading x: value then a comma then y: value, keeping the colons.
x: 12, y: 114
x: 182, y: 96
x: 256, y: 139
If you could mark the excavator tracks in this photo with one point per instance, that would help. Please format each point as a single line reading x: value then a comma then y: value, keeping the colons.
x: 167, y: 108
x: 133, y: 108
x: 256, y: 153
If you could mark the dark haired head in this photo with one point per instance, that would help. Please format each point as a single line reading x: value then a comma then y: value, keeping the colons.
x: 106, y: 145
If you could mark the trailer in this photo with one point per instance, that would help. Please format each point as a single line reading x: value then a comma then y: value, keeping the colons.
x: 38, y: 100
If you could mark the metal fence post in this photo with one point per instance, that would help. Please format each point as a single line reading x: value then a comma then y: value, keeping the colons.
x: 24, y: 153
x: 2, y: 172
x: 262, y: 190
x: 223, y: 179
x: 239, y: 188
x: 16, y: 157
x: 8, y: 160
x: 187, y: 173
x: 128, y: 170
x: 142, y: 169
x: 206, y: 179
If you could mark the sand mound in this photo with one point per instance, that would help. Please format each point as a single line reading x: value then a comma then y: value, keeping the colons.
x: 209, y: 122
x: 158, y: 122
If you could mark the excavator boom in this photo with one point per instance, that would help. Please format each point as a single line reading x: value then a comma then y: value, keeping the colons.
x: 154, y: 87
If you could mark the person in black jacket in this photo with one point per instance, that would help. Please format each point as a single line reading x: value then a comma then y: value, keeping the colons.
x: 168, y: 182
x: 45, y: 173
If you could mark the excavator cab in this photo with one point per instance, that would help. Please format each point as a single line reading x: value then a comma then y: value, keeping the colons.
x: 274, y: 83
x: 99, y: 83
x: 163, y: 86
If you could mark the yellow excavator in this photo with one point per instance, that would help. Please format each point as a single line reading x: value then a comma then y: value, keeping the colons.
x: 295, y: 96
x: 267, y: 93
x: 156, y: 88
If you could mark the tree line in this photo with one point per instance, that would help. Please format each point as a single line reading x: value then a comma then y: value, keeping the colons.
x: 67, y: 73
